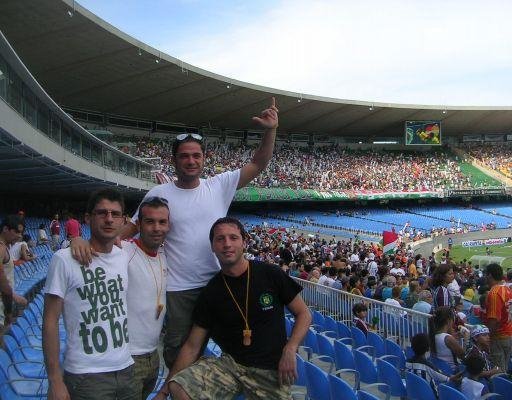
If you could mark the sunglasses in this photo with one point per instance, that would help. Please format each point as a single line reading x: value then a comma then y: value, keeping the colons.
x: 184, y: 136
x: 154, y: 201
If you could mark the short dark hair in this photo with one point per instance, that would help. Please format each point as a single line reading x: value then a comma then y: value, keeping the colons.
x: 12, y: 222
x: 176, y: 144
x: 231, y: 221
x: 104, y: 194
x: 495, y: 271
x: 474, y: 363
x: 420, y: 344
x: 358, y: 307
x: 153, y: 202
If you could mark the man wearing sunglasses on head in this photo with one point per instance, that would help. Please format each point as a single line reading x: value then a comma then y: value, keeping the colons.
x: 195, y: 204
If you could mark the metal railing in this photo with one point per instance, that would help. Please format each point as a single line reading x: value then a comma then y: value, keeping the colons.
x: 389, y: 321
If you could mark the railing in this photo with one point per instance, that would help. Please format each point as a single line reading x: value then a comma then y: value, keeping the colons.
x: 397, y: 323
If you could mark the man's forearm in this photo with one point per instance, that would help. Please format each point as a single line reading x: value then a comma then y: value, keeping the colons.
x: 51, y: 349
x: 186, y: 357
x: 300, y: 328
x: 264, y: 152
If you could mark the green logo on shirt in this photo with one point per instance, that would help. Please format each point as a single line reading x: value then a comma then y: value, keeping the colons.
x: 266, y: 301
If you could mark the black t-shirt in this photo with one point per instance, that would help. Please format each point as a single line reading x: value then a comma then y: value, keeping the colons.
x: 270, y: 289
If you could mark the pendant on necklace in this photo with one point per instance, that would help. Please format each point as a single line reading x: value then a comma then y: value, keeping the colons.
x: 159, y: 309
x: 247, y: 337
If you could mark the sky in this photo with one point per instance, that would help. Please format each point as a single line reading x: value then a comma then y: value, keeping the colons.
x: 444, y: 53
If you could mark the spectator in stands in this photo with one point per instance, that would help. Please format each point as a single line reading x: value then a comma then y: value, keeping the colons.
x: 250, y: 362
x: 360, y: 311
x: 471, y: 386
x: 72, y: 226
x: 442, y: 277
x: 20, y: 251
x: 395, y: 300
x: 195, y: 204
x: 480, y: 345
x: 42, y: 237
x: 413, y: 295
x: 424, y: 303
x: 419, y: 365
x: 442, y: 344
x: 55, y: 232
x: 498, y: 316
x: 11, y: 230
x: 93, y: 368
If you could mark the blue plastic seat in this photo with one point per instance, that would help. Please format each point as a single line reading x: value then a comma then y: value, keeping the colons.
x: 362, y: 395
x: 377, y: 343
x: 343, y: 356
x: 300, y: 385
x: 388, y: 373
x: 317, y: 383
x: 442, y: 365
x: 393, y: 349
x: 340, y: 389
x: 358, y: 337
x: 343, y: 330
x: 448, y: 393
x: 418, y: 388
x: 365, y: 367
x: 502, y: 386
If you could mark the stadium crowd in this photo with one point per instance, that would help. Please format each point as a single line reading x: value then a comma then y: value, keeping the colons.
x: 497, y: 156
x: 468, y: 303
x: 328, y: 167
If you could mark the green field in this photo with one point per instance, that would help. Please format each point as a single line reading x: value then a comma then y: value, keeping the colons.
x: 458, y: 253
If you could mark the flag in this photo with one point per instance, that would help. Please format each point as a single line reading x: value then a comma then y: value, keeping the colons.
x: 389, y: 241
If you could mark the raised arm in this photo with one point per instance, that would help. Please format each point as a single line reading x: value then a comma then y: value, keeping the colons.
x: 51, y: 347
x: 269, y: 121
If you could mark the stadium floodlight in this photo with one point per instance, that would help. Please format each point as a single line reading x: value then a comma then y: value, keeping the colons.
x: 370, y: 108
x: 139, y: 52
x: 444, y: 111
x: 300, y: 98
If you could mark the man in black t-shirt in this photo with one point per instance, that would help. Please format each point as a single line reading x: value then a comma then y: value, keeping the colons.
x: 242, y: 309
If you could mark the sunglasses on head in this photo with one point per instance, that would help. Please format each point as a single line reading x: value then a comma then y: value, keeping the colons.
x: 184, y: 136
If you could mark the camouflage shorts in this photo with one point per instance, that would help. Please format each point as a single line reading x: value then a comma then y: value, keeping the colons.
x: 212, y: 378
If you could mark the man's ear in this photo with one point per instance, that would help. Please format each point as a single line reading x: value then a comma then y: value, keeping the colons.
x: 87, y: 218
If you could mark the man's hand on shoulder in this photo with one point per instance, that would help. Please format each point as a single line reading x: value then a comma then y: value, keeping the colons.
x: 81, y: 250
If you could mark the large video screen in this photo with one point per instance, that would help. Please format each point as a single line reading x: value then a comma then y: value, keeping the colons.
x: 423, y: 133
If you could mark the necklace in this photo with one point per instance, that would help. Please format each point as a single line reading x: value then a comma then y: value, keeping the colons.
x: 246, y: 333
x: 159, y: 306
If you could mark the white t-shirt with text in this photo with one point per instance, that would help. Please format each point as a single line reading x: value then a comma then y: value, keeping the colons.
x: 94, y: 310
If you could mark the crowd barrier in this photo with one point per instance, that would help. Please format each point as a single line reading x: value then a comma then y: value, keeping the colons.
x: 389, y: 321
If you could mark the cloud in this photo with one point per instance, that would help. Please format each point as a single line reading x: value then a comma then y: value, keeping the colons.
x: 435, y: 52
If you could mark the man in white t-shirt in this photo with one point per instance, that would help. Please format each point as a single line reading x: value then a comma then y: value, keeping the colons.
x: 147, y: 271
x: 195, y: 204
x: 93, y: 301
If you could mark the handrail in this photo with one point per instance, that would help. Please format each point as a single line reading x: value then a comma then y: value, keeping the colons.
x: 398, y: 323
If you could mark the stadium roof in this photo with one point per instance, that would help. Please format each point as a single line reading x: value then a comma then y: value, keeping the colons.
x: 84, y: 62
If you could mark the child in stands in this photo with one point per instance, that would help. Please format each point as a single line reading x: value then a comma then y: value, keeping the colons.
x: 419, y: 365
x: 360, y: 311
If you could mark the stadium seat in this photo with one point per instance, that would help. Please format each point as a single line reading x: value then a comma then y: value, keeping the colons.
x: 317, y: 383
x: 418, y: 388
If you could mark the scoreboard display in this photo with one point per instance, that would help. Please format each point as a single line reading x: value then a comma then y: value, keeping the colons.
x: 423, y: 133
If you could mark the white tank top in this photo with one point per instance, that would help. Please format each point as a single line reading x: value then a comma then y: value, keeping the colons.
x: 442, y: 351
